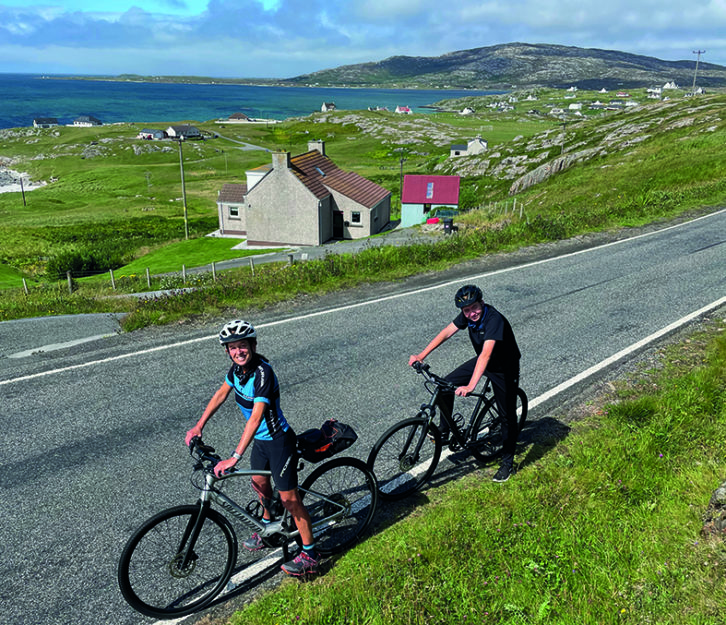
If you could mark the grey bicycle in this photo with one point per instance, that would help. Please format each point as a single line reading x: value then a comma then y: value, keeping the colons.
x: 179, y: 560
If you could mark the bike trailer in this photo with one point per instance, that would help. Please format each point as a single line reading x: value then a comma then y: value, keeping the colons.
x: 331, y: 438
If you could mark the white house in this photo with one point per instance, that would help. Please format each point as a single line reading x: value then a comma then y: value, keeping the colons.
x: 405, y: 110
x: 327, y: 106
x: 45, y: 122
x: 474, y: 146
x: 87, y: 120
x: 467, y: 111
x: 183, y: 132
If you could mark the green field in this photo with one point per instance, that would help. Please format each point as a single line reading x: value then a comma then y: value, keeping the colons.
x: 113, y: 199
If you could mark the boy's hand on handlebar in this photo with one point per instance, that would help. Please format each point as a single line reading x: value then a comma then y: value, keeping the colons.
x: 414, y: 359
x: 463, y: 391
x: 223, y: 466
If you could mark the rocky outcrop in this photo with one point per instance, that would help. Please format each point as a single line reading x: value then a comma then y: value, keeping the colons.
x: 555, y: 166
x: 715, y: 517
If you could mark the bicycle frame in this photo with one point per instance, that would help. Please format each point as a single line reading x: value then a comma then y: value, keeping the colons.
x: 277, y: 527
x: 428, y: 410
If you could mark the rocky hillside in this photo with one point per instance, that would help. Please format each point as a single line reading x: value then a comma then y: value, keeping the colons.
x: 523, y: 65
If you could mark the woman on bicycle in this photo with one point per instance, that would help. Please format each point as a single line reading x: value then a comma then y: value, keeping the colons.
x: 257, y: 393
x: 497, y: 358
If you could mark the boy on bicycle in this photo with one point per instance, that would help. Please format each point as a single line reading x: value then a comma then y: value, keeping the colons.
x: 497, y: 358
x: 257, y: 393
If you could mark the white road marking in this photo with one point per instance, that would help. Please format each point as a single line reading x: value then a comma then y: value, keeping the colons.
x: 378, y: 300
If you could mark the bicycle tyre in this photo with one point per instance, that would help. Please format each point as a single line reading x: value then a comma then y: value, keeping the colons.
x: 350, y: 483
x: 399, y: 474
x: 148, y: 573
x: 488, y: 428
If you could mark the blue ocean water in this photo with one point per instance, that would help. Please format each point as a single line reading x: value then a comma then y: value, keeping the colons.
x: 23, y: 97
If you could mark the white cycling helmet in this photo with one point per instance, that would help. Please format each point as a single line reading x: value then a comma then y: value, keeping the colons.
x: 236, y: 331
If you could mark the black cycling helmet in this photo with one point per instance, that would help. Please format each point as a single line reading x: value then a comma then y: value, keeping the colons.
x: 468, y: 295
x: 236, y: 331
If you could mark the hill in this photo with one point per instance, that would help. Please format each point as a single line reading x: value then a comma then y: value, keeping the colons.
x: 519, y: 64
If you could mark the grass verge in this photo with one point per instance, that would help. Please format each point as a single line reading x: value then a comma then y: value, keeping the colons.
x: 601, y: 526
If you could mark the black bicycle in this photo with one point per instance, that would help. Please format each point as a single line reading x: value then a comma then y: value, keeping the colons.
x: 179, y: 560
x: 407, y: 454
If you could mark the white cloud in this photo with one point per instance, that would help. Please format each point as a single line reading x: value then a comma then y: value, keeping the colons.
x: 280, y: 38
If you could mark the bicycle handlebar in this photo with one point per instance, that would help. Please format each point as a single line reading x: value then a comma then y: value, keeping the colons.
x: 425, y: 370
x: 203, y: 453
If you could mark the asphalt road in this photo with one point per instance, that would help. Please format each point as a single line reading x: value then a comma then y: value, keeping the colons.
x: 93, y: 431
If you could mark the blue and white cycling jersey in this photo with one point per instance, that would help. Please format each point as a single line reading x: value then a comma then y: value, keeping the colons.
x: 259, y: 385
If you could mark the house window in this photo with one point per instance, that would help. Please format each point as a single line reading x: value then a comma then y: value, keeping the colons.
x: 234, y: 212
x: 355, y: 217
x: 430, y: 191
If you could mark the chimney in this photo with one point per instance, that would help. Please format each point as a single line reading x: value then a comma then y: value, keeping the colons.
x: 318, y: 145
x: 281, y: 160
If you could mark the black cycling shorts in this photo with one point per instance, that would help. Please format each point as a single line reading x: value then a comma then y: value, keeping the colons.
x: 278, y: 456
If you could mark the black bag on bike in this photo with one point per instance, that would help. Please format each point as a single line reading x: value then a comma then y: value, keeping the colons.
x: 332, y: 438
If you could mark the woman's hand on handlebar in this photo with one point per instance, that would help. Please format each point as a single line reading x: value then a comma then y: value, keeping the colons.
x: 194, y: 432
x: 223, y: 466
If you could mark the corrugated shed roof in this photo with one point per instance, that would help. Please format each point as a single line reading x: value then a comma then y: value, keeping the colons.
x: 232, y: 193
x: 430, y: 189
x: 319, y: 174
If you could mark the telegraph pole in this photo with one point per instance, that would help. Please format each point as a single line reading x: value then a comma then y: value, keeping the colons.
x: 184, y: 191
x: 698, y: 58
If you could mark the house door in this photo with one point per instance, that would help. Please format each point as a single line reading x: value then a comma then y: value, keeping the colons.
x: 337, y: 224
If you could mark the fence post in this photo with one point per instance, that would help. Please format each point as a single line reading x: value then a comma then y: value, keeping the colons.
x: 113, y: 282
x: 214, y: 271
x: 70, y: 281
x: 252, y: 265
x: 514, y: 206
x: 25, y: 287
x: 184, y: 273
x: 289, y: 260
x: 148, y: 278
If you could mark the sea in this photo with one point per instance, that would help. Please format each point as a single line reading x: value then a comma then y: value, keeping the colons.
x: 24, y: 97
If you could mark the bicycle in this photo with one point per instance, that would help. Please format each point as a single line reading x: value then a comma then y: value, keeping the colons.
x: 179, y: 560
x: 407, y: 454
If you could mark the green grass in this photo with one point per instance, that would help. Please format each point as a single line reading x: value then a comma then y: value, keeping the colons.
x: 192, y: 253
x: 652, y: 163
x: 600, y: 526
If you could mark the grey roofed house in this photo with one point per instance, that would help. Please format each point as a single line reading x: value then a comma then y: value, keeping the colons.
x: 87, y: 120
x: 238, y: 117
x: 45, y: 122
x: 303, y: 200
x: 183, y: 131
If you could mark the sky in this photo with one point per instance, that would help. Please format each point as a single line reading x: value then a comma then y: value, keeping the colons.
x: 286, y: 38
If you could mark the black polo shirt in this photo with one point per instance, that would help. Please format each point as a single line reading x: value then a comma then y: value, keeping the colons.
x: 493, y: 325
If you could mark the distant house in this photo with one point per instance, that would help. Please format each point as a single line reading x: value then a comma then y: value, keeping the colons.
x: 423, y: 194
x: 575, y: 106
x: 238, y: 118
x: 303, y: 200
x: 327, y: 106
x: 45, y: 122
x: 475, y: 146
x: 467, y: 111
x: 405, y: 110
x: 183, y: 132
x: 87, y: 120
x: 670, y: 85
x: 151, y: 134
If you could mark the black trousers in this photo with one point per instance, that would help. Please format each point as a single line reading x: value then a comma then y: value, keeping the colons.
x: 505, y: 387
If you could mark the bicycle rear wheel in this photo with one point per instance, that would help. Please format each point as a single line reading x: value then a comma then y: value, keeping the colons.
x: 398, y: 467
x: 150, y: 572
x: 487, y: 442
x: 341, y: 485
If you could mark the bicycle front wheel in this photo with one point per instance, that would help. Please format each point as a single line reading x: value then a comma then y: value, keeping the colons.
x: 151, y: 573
x: 341, y: 498
x: 405, y: 457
